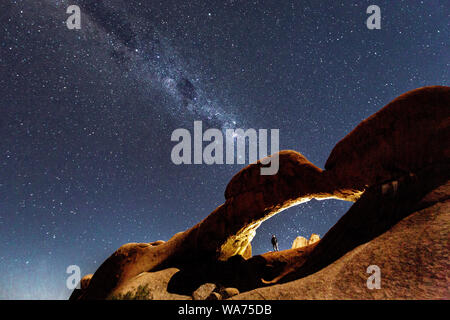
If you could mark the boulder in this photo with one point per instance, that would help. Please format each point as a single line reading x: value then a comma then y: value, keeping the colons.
x: 203, y: 292
x: 313, y: 239
x: 301, y: 242
x: 157, y: 243
x: 84, y: 283
x: 214, y: 296
x: 406, y: 235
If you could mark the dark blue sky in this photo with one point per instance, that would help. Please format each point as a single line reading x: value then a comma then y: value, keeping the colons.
x: 86, y: 115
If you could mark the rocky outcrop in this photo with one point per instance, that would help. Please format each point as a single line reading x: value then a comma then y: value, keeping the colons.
x: 214, y: 296
x: 301, y: 242
x: 252, y: 198
x: 411, y: 252
x: 247, y: 252
x: 313, y: 239
x: 84, y: 283
x: 227, y: 293
x: 204, y: 291
x: 383, y: 148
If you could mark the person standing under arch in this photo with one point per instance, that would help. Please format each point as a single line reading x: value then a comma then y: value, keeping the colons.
x: 274, y: 243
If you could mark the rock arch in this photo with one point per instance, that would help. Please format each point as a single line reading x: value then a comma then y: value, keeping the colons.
x: 402, y: 137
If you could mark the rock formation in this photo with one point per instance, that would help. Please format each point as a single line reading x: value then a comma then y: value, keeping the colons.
x: 204, y: 291
x: 405, y: 234
x: 313, y: 239
x: 301, y: 242
x: 408, y: 136
x: 84, y: 283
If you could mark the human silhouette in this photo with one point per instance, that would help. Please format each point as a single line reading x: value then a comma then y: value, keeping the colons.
x: 274, y: 243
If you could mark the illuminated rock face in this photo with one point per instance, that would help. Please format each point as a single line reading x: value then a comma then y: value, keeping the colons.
x: 299, y: 242
x: 84, y: 283
x: 313, y: 239
x: 252, y: 198
x: 409, y: 133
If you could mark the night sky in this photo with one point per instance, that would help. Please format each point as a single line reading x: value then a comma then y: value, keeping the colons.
x: 86, y: 115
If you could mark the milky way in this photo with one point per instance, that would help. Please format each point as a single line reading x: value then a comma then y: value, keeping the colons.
x: 148, y: 57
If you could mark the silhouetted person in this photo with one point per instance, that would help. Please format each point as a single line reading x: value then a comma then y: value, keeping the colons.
x: 274, y: 243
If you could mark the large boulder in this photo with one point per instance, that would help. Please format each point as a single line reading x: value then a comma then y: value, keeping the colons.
x: 406, y: 135
x: 313, y: 239
x: 148, y: 286
x: 299, y: 242
x: 128, y: 261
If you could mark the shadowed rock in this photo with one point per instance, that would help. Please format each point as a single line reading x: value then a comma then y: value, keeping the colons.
x: 299, y: 242
x: 408, y: 134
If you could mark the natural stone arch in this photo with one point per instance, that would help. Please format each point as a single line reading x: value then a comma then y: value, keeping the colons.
x: 252, y: 198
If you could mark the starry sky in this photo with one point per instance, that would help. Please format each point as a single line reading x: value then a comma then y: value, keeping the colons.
x: 86, y: 115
